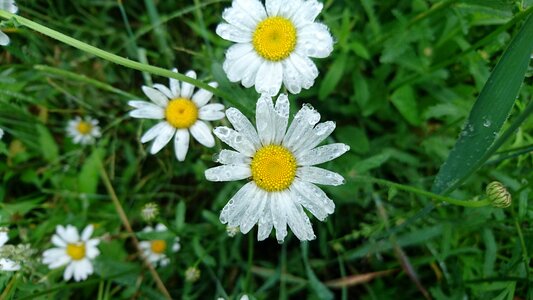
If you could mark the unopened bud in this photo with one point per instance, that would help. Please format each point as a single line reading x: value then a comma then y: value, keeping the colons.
x: 498, y: 195
x: 150, y: 211
x: 192, y: 274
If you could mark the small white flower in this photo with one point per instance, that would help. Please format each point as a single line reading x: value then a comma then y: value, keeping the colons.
x: 73, y: 250
x: 1, y: 130
x: 5, y: 263
x: 192, y: 274
x: 274, y: 44
x: 155, y: 250
x: 83, y: 131
x: 9, y: 6
x: 280, y: 163
x: 181, y: 112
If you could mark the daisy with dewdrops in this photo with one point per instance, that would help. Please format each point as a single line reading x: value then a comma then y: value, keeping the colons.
x: 280, y: 163
x: 182, y: 114
x: 5, y: 263
x: 9, y: 6
x: 274, y: 44
x: 155, y: 250
x: 83, y: 131
x: 75, y: 251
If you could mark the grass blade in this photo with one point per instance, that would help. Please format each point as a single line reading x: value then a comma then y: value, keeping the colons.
x: 488, y: 113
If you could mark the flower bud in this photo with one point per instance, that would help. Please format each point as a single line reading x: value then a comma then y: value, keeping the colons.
x: 498, y: 195
x: 150, y: 211
x: 192, y: 274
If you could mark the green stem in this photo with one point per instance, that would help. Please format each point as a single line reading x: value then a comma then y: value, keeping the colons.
x: 113, y: 57
x: 250, y: 263
x: 407, y: 188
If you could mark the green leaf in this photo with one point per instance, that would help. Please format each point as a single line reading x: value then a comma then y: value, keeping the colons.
x: 180, y: 216
x: 333, y: 76
x: 488, y: 113
x: 48, y: 144
x: 321, y: 291
x: 89, y: 174
x: 405, y: 102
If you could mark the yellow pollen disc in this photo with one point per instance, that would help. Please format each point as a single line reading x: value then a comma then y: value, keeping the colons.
x: 273, y: 168
x: 158, y: 246
x: 274, y: 38
x: 181, y: 113
x: 76, y: 251
x: 84, y: 127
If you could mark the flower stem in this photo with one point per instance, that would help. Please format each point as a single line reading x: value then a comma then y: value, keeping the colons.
x: 127, y: 225
x: 407, y: 188
x: 113, y: 57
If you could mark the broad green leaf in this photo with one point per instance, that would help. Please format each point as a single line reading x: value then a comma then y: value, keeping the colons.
x: 48, y: 144
x: 180, y: 216
x: 89, y: 174
x: 488, y: 113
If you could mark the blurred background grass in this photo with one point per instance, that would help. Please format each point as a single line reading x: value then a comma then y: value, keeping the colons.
x: 399, y: 85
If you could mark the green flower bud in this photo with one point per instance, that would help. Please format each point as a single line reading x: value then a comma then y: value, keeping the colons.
x: 498, y: 195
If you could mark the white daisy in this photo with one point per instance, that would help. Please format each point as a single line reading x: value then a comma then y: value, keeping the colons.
x: 280, y: 163
x: 274, y: 44
x: 73, y: 250
x: 83, y: 131
x: 181, y: 112
x: 155, y: 250
x: 5, y: 263
x: 9, y: 6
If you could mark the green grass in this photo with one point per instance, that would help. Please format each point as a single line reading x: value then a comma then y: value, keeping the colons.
x: 401, y: 85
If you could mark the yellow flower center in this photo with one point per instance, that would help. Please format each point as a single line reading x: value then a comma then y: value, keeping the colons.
x: 181, y: 113
x: 273, y: 168
x: 84, y: 128
x: 76, y: 251
x: 274, y: 38
x: 158, y: 246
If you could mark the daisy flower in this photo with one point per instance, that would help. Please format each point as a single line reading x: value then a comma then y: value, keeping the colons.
x: 181, y: 112
x: 73, y: 250
x: 5, y: 263
x: 9, y: 6
x: 280, y: 163
x: 155, y: 250
x: 83, y: 131
x: 274, y: 44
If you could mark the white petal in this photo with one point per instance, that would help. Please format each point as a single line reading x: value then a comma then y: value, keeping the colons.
x: 298, y: 222
x: 250, y: 72
x: 8, y: 265
x: 59, y: 261
x: 211, y: 112
x: 162, y: 139
x: 239, y: 18
x: 161, y: 227
x: 82, y: 269
x: 238, y: 50
x: 3, y: 238
x: 234, y: 34
x: 235, y: 140
x: 319, y: 176
x: 269, y: 78
x: 312, y: 198
x: 228, y: 173
x: 290, y: 8
x: 229, y: 157
x: 281, y: 117
x: 57, y: 241
x: 254, y: 8
x: 175, y: 86
x: 70, y: 234
x: 308, y: 12
x: 165, y: 90
x: 69, y: 271
x: 279, y: 215
x: 148, y: 111
x: 236, y: 68
x: 156, y: 96
x: 322, y: 154
x: 318, y: 134
x: 201, y: 97
x: 153, y: 132
x: 202, y: 133
x: 87, y: 232
x: 243, y: 125
x: 4, y: 39
x: 187, y: 88
x: 301, y: 126
x: 92, y: 252
x: 253, y: 213
x: 265, y: 120
x: 292, y: 79
x: 238, y: 202
x: 181, y: 144
x: 314, y: 40
x: 273, y: 6
x: 265, y: 221
x: 306, y: 68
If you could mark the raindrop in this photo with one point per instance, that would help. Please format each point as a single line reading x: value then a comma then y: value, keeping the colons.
x: 487, y: 123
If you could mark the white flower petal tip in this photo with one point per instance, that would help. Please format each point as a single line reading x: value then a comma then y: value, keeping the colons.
x: 268, y: 63
x: 74, y: 251
x: 279, y: 160
x: 181, y: 113
x: 83, y: 131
